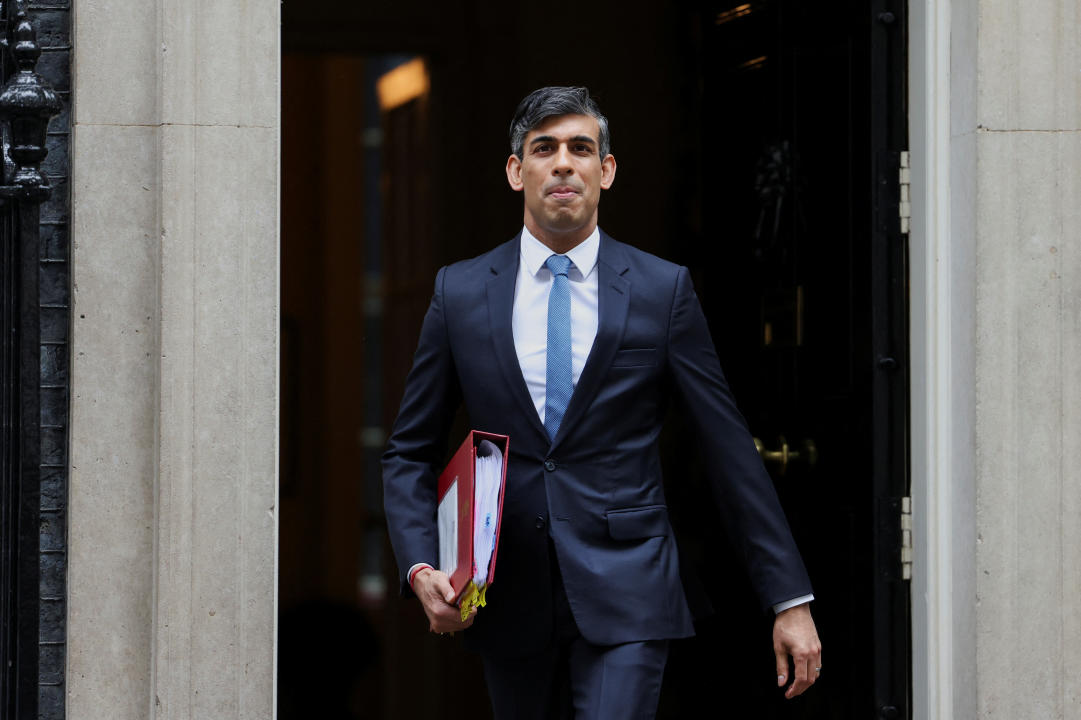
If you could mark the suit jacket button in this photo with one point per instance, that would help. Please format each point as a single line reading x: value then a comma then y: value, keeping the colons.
x: 540, y: 522
x: 549, y: 465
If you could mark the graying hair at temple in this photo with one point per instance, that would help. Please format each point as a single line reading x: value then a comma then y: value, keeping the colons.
x: 548, y: 102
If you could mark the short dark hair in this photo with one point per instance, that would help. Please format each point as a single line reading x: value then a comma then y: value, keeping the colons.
x: 539, y: 105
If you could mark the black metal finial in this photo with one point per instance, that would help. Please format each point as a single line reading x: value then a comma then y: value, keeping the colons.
x: 27, y: 103
x: 27, y: 51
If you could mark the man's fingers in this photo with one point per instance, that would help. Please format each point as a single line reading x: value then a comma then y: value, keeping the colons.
x: 782, y: 666
x: 444, y: 588
x: 805, y: 675
x: 435, y: 584
x: 799, y: 677
x: 800, y: 671
x: 449, y: 622
x: 448, y: 618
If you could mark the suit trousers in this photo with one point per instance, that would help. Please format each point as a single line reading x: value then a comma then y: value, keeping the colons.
x: 574, y: 679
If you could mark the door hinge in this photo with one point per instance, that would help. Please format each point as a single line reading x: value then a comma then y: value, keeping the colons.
x: 906, y: 537
x: 905, y: 184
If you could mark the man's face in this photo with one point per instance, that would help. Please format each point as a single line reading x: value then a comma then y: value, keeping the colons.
x: 562, y: 174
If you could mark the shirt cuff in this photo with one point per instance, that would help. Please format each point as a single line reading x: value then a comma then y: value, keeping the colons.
x: 781, y: 606
x: 414, y: 570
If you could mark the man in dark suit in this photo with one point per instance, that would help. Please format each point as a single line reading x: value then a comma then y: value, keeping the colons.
x: 574, y: 345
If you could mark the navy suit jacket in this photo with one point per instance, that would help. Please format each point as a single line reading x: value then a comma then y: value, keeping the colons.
x: 596, y: 489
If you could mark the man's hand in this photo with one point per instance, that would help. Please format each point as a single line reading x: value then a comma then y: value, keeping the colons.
x: 794, y: 634
x: 437, y: 596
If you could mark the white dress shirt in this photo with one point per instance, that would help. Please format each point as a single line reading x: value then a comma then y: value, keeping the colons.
x: 529, y: 321
x: 529, y: 324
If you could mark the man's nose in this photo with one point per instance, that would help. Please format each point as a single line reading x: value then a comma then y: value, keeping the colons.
x: 562, y: 165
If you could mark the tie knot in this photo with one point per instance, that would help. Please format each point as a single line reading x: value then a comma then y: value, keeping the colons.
x: 558, y: 264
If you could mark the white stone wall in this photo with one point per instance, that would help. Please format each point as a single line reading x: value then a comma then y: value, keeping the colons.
x: 1027, y: 129
x: 996, y: 343
x: 173, y: 507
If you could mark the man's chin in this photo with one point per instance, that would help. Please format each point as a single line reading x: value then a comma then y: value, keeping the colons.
x: 564, y: 228
x: 566, y: 221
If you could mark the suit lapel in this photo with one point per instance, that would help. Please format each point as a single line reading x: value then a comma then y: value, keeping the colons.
x: 500, y: 291
x: 613, y: 299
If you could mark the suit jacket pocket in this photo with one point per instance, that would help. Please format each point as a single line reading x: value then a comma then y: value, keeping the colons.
x: 637, y: 523
x: 635, y: 357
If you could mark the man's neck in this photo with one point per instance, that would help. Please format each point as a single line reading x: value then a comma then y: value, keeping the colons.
x: 561, y: 243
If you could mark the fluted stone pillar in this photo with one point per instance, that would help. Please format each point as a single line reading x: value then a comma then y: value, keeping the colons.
x: 1027, y: 128
x: 173, y: 508
x: 996, y: 348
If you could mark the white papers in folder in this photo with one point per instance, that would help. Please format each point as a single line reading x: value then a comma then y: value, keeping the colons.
x: 487, y: 476
x: 447, y: 520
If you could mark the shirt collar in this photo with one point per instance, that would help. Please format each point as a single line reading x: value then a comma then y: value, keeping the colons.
x: 583, y: 255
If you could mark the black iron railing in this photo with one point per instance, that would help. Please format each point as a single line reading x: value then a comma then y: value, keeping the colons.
x: 26, y: 105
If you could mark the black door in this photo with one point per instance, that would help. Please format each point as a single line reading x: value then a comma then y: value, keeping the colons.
x: 758, y: 144
x: 801, y: 270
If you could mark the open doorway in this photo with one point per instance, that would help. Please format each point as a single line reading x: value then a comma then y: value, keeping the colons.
x: 751, y: 139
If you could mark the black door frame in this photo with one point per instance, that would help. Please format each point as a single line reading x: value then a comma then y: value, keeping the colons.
x: 886, y: 23
x: 891, y: 597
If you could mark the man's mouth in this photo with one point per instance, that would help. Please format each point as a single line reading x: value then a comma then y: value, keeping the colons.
x: 563, y: 192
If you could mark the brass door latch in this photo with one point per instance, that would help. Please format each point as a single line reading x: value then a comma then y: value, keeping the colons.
x: 807, y: 454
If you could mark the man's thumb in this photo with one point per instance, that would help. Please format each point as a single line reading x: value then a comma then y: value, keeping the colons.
x: 447, y: 590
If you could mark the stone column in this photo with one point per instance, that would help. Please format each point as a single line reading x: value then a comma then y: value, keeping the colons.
x: 1026, y: 129
x: 173, y: 508
x: 996, y: 393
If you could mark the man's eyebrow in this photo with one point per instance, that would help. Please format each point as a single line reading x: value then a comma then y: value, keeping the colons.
x: 551, y: 139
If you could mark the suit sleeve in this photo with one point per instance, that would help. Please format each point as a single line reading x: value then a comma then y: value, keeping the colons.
x: 741, y: 486
x: 418, y: 441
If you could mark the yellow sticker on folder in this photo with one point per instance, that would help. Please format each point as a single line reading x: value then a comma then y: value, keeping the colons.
x: 472, y: 597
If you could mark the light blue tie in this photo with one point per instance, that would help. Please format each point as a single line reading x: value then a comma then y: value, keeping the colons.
x: 558, y: 384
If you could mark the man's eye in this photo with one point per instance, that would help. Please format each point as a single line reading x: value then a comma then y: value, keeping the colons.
x: 541, y: 148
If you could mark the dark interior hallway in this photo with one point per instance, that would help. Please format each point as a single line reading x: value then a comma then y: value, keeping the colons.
x: 745, y: 138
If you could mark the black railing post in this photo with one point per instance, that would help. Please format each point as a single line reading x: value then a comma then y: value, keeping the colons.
x: 26, y: 105
x: 29, y: 489
x: 11, y: 270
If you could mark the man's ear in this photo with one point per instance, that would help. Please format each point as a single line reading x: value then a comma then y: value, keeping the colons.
x: 514, y: 173
x: 608, y: 171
